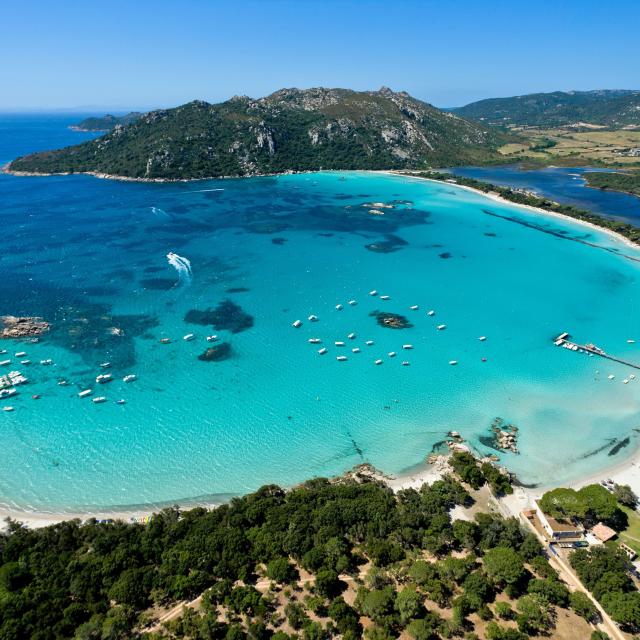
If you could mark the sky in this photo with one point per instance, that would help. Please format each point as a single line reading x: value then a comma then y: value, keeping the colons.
x: 140, y: 54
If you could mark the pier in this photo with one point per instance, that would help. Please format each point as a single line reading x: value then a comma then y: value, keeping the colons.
x: 563, y: 341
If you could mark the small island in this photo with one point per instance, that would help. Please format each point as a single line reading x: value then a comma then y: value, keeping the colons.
x: 106, y: 122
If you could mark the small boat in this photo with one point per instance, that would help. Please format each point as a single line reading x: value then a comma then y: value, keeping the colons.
x: 35, y: 396
x: 99, y: 399
x: 25, y: 361
x: 353, y: 302
x: 338, y: 307
x: 212, y: 338
x: 322, y: 351
x: 7, y: 393
x: 378, y: 361
x: 3, y: 351
x: 296, y: 324
x: 3, y: 363
x: 632, y: 376
x: 130, y: 377
x: 392, y: 354
x: 373, y: 292
x: 121, y: 401
x: 341, y: 358
x: 385, y: 297
x: 339, y: 343
x: 453, y: 362
x: 165, y: 340
x: 483, y: 359
x: 48, y: 361
x: 482, y: 338
x: 351, y: 336
x: 355, y: 350
x: 104, y: 377
x: 625, y: 381
x: 62, y: 383
x: 415, y: 307
x: 407, y: 346
x: 628, y: 341
x: 85, y: 393
x: 105, y: 365
x: 369, y: 343
x: 405, y: 363
x: 7, y: 409
x: 431, y: 313
x: 441, y: 327
x: 312, y: 318
x: 188, y: 337
x: 611, y: 376
x: 21, y: 354
x: 315, y: 340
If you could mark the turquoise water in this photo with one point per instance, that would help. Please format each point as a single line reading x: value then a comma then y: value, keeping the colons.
x: 90, y: 255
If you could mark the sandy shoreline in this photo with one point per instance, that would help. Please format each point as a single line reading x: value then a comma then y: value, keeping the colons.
x: 625, y: 472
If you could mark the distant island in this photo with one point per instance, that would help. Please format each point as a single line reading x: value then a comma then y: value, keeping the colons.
x: 105, y: 123
x: 289, y: 130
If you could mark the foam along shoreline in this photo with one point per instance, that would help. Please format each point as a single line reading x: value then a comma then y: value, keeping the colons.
x: 618, y: 237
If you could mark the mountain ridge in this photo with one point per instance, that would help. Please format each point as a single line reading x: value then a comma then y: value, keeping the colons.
x: 289, y: 130
x: 605, y: 107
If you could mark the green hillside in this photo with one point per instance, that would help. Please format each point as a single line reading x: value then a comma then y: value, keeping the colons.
x: 607, y: 108
x: 105, y: 123
x: 290, y: 130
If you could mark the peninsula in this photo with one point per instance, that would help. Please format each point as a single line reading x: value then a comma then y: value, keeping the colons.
x: 289, y: 130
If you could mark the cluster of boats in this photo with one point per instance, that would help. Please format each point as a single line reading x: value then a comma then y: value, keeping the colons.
x: 296, y: 324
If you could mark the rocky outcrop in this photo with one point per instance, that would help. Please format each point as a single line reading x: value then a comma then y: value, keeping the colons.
x: 22, y: 327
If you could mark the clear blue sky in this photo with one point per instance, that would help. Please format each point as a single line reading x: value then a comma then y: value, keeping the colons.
x: 143, y: 54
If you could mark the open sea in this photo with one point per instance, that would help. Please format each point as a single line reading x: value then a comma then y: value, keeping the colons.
x: 255, y: 255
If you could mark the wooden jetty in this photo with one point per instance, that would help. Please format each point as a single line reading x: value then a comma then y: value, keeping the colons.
x: 563, y: 341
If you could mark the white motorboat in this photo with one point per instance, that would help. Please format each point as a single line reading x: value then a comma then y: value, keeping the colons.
x: 341, y: 358
x: 188, y: 337
x: 212, y: 338
x: 315, y: 340
x: 85, y: 393
x: 130, y: 377
x: 407, y: 346
x: 322, y: 351
x: 99, y: 399
x: 296, y: 324
x: 104, y: 377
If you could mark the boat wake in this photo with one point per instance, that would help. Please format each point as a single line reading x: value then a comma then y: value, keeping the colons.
x: 181, y: 265
x: 159, y: 213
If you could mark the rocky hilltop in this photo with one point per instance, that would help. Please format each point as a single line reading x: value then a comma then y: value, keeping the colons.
x: 289, y: 130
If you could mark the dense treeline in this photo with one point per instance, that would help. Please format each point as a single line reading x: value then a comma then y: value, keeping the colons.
x: 627, y: 182
x: 99, y: 580
x: 519, y: 197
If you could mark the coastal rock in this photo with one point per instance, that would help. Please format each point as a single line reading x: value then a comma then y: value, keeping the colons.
x: 227, y: 315
x: 22, y: 327
x: 218, y: 353
x: 505, y: 435
x: 391, y: 320
x: 360, y: 474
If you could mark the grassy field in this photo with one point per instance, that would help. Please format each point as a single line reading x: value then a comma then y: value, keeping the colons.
x: 594, y: 146
x: 631, y: 536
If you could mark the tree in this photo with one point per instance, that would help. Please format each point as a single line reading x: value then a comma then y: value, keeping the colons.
x: 465, y: 465
x: 624, y: 608
x: 477, y: 590
x: 534, y: 615
x: 328, y: 584
x: 409, y: 605
x: 424, y: 628
x: 280, y: 570
x: 132, y: 588
x: 563, y: 503
x: 345, y: 617
x: 625, y: 495
x: 582, y: 605
x: 552, y: 591
x: 296, y: 615
x: 377, y: 604
x: 504, y: 566
x: 599, y: 635
x: 504, y: 610
x: 496, y: 632
x: 601, y: 504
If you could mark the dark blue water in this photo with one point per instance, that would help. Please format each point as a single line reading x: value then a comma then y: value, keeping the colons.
x: 562, y: 184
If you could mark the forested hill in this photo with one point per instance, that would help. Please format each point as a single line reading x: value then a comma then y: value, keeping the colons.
x: 290, y: 130
x: 608, y: 108
x: 105, y: 123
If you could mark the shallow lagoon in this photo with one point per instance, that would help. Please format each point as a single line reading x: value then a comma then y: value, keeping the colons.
x: 91, y: 255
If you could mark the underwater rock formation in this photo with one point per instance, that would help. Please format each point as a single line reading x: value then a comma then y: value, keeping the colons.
x: 21, y: 327
x: 218, y: 353
x: 391, y: 320
x: 227, y: 315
